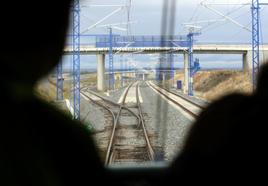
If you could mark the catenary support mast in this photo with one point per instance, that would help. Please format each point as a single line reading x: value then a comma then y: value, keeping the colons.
x: 255, y: 10
x: 76, y: 59
x: 59, y: 81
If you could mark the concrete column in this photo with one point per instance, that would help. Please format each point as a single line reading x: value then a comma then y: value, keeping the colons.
x: 264, y: 57
x: 163, y: 77
x: 123, y: 80
x: 247, y: 61
x: 143, y: 77
x: 100, y: 72
x: 186, y: 71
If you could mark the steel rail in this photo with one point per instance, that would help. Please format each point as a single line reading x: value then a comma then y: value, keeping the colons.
x: 175, y: 102
x: 188, y: 100
x: 150, y: 149
x: 110, y: 154
x: 113, y: 103
x: 101, y: 105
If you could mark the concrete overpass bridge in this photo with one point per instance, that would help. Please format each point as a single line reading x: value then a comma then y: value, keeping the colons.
x: 243, y: 49
x: 100, y: 45
x: 200, y: 48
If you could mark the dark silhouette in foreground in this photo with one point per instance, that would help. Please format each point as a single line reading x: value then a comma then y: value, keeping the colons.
x: 227, y: 144
x: 38, y: 144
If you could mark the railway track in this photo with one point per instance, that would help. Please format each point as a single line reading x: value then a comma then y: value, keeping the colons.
x: 101, y: 102
x: 142, y: 124
x: 186, y: 99
x: 129, y: 141
x: 186, y: 105
x: 105, y: 103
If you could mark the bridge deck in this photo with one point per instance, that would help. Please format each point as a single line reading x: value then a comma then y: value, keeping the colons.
x: 198, y: 49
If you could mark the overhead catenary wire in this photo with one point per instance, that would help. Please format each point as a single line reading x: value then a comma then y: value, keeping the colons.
x: 89, y: 19
x: 102, y: 19
x: 207, y: 27
x: 129, y: 5
x: 226, y: 17
x: 217, y: 25
x: 195, y: 13
x: 230, y: 12
x: 248, y: 24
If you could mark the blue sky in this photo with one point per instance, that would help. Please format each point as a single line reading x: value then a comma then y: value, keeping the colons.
x: 148, y: 13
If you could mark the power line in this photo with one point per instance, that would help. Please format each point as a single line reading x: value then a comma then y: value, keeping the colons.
x: 226, y: 17
x: 228, y: 14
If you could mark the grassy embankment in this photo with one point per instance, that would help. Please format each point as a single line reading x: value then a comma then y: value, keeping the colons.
x: 46, y: 88
x: 211, y: 85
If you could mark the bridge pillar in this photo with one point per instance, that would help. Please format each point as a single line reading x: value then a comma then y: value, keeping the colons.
x: 186, y: 71
x: 100, y: 72
x: 264, y: 57
x: 247, y: 61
